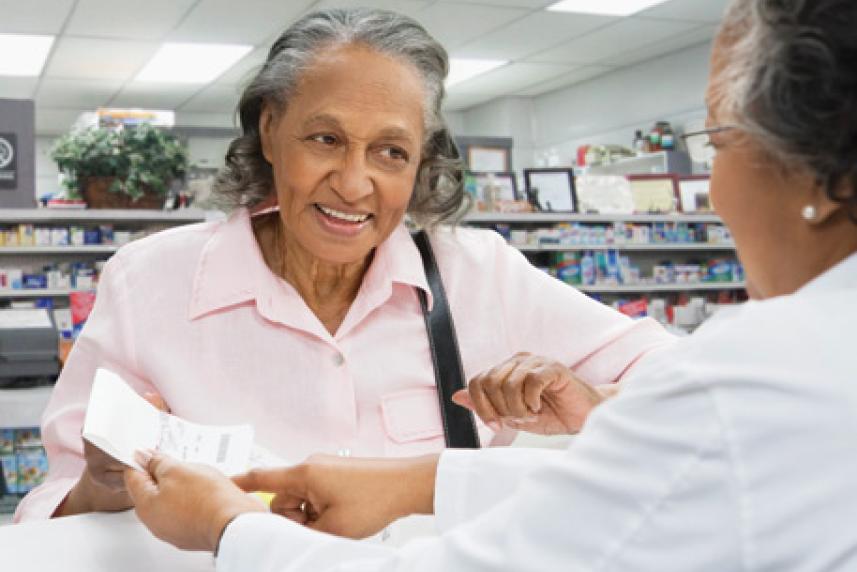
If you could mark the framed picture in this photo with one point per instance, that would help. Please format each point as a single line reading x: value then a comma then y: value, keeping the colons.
x: 694, y: 192
x: 551, y: 190
x: 490, y: 189
x: 488, y: 159
x: 655, y: 194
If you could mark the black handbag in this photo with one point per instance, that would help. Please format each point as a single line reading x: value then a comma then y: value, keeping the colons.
x: 459, y: 427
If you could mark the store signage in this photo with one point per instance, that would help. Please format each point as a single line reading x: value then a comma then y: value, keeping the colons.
x: 8, y: 161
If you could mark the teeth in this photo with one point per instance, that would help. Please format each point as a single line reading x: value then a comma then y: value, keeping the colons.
x: 341, y: 215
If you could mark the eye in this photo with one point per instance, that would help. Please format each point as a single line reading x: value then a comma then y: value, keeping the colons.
x: 325, y: 139
x: 394, y: 153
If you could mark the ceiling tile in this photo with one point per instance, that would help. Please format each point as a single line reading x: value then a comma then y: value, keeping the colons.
x: 17, y: 87
x: 510, y: 78
x: 42, y: 17
x: 695, y: 37
x: 406, y: 7
x: 461, y: 101
x: 70, y: 93
x: 626, y: 35
x: 86, y: 58
x: 213, y: 99
x: 578, y: 75
x: 55, y: 121
x: 154, y: 95
x: 690, y: 10
x: 454, y: 24
x: 217, y: 120
x: 129, y: 19
x: 227, y: 22
x: 531, y: 4
x: 531, y: 34
x: 243, y: 71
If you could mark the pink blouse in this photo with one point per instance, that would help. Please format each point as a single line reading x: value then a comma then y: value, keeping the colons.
x: 194, y: 314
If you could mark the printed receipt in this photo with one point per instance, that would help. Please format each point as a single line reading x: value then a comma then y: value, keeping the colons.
x: 120, y: 422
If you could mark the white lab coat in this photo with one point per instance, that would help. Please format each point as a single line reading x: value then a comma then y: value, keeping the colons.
x: 734, y: 450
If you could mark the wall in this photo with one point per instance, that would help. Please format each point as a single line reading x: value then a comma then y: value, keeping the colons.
x: 17, y: 117
x: 606, y: 109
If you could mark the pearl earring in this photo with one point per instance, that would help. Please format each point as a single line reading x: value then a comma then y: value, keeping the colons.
x: 809, y: 213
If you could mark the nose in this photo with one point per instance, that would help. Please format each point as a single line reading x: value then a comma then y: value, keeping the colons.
x: 352, y: 180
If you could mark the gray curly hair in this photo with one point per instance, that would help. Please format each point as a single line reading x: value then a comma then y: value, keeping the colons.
x: 247, y: 178
x: 790, y: 81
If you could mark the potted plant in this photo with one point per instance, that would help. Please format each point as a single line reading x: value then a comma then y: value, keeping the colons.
x: 131, y: 167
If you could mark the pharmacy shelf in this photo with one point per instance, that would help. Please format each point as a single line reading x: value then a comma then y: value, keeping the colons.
x: 5, y: 519
x: 181, y: 216
x: 23, y: 407
x: 39, y: 292
x: 625, y: 247
x: 642, y: 288
x: 535, y: 218
x: 88, y: 249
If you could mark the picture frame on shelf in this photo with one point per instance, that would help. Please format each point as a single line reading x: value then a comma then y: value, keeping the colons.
x: 694, y: 193
x: 551, y: 189
x: 655, y: 194
x: 491, y: 189
x: 484, y: 159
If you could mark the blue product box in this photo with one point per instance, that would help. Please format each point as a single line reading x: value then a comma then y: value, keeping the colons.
x: 30, y: 437
x: 7, y: 441
x: 92, y: 236
x: 9, y: 468
x: 35, y: 281
x: 32, y: 470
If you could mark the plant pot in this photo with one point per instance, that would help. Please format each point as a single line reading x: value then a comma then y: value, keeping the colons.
x: 96, y: 192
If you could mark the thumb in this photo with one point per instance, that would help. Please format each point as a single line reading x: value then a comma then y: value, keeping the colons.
x: 270, y: 480
x: 156, y: 400
x: 462, y: 398
x: 139, y: 485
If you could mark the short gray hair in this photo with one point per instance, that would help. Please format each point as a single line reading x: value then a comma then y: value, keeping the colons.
x: 790, y: 81
x: 247, y: 178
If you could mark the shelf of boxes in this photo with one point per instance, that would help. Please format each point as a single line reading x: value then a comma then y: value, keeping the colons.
x: 87, y: 249
x: 539, y: 218
x: 23, y: 408
x: 38, y: 292
x: 678, y: 287
x: 181, y: 216
x: 671, y: 247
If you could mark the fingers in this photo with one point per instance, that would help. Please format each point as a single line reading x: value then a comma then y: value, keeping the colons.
x: 140, y: 485
x: 156, y: 400
x: 270, y: 480
x: 512, y: 390
x: 462, y: 398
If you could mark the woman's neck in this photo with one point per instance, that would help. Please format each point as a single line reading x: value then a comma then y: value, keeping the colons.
x: 328, y: 289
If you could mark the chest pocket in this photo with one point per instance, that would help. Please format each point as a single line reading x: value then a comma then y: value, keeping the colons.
x: 412, y: 423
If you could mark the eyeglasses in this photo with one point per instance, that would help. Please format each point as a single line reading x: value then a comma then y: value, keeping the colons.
x: 699, y: 144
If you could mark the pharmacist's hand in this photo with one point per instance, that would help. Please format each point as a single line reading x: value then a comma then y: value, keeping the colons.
x: 186, y: 505
x: 530, y: 393
x: 348, y: 497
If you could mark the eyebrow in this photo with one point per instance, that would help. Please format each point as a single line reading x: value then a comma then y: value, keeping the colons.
x: 393, y: 133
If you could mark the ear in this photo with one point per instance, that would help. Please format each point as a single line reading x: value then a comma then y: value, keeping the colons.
x: 825, y: 207
x: 267, y: 125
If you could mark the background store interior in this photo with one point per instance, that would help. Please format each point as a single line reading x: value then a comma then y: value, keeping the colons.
x: 556, y: 81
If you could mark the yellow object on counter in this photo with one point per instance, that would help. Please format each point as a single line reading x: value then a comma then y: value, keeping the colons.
x: 265, y: 497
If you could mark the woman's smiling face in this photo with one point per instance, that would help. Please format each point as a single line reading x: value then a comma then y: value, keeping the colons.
x: 345, y: 151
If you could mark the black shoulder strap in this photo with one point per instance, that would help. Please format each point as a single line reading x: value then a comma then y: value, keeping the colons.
x: 458, y: 425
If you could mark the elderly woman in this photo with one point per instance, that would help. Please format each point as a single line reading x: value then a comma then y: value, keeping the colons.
x: 735, y: 450
x: 300, y: 314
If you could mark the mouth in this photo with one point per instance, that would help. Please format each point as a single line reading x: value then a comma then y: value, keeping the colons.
x: 342, y: 216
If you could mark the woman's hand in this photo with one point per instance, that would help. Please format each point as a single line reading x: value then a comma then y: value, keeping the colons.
x: 101, y: 487
x: 348, y: 497
x: 183, y: 504
x: 532, y: 393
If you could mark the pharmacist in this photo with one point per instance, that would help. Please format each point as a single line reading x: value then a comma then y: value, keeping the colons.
x: 734, y: 450
x: 304, y: 320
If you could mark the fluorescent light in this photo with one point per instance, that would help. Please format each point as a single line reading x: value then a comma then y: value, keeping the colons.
x: 24, y: 55
x: 191, y: 63
x: 462, y: 70
x: 605, y: 7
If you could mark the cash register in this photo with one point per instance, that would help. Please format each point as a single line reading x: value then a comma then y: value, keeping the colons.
x: 29, y: 349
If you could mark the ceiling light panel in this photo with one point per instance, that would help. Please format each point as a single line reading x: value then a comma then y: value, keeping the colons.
x: 461, y: 70
x: 25, y: 55
x: 604, y: 7
x: 191, y: 63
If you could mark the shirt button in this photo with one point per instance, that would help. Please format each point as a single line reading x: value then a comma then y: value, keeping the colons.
x: 344, y: 452
x: 338, y: 359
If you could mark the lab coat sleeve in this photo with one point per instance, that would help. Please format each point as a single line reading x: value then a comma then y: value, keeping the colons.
x: 627, y: 495
x: 469, y: 482
x: 106, y: 341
